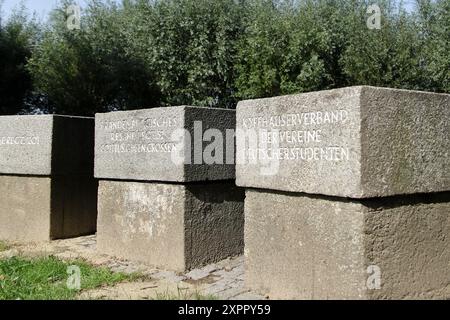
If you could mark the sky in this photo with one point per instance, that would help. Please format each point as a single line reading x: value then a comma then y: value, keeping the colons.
x: 41, y: 7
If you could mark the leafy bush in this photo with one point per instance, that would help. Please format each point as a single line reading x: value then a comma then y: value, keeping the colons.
x: 148, y: 53
x: 17, y: 36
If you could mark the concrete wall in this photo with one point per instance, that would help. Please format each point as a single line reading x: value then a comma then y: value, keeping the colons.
x: 172, y: 226
x: 300, y: 246
x: 45, y: 208
x: 25, y: 206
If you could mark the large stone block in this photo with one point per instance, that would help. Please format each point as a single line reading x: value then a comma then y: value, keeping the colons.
x: 355, y: 142
x: 46, y: 208
x: 172, y: 226
x: 47, y: 187
x: 300, y: 246
x: 165, y: 144
x: 46, y: 145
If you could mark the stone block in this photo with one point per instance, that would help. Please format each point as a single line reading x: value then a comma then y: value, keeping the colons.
x: 47, y: 188
x: 356, y: 142
x: 165, y: 144
x: 300, y: 246
x: 46, y: 208
x: 170, y: 226
x: 46, y: 145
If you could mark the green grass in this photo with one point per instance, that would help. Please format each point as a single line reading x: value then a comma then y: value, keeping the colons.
x: 183, y: 295
x: 46, y: 278
x: 3, y: 246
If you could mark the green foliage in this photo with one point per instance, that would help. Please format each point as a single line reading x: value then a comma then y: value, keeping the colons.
x: 148, y: 53
x: 321, y: 44
x: 192, y: 50
x: 46, y: 278
x: 386, y: 57
x: 183, y: 294
x: 3, y: 246
x: 89, y: 70
x: 17, y: 36
x: 434, y: 45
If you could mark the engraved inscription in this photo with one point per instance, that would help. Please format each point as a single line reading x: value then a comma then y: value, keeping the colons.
x: 146, y: 135
x: 296, y: 136
x: 19, y: 140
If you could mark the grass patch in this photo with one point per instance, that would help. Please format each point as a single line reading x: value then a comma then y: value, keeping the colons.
x: 4, y: 246
x: 182, y: 294
x: 46, y: 278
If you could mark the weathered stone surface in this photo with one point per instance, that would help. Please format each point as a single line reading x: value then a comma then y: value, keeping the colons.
x: 354, y: 142
x: 74, y: 206
x: 141, y: 145
x: 25, y: 208
x: 317, y: 247
x: 47, y: 187
x: 46, y: 145
x: 46, y: 208
x: 173, y: 226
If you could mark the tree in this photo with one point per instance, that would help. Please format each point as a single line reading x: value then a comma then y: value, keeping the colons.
x: 433, y: 20
x: 148, y: 53
x: 90, y: 70
x: 17, y: 37
x: 190, y: 46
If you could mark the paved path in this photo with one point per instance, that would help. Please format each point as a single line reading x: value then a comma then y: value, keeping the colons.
x: 223, y: 280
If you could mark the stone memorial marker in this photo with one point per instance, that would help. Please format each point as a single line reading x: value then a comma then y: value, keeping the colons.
x: 347, y: 194
x: 47, y: 187
x: 167, y: 195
